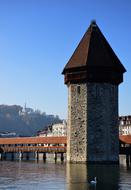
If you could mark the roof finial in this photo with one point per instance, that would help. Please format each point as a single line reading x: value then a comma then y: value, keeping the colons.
x: 93, y: 22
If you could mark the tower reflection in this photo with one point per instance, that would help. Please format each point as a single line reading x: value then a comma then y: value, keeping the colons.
x: 77, y: 177
x: 80, y: 175
x: 107, y: 176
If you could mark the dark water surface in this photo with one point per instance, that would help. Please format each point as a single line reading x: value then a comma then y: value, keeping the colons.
x: 32, y: 175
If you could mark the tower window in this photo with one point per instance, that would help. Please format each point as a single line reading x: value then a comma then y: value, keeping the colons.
x: 78, y: 90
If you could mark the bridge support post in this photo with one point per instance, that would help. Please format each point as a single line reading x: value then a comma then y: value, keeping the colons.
x: 44, y: 156
x: 37, y: 155
x: 20, y: 155
x: 12, y: 156
x: 62, y: 156
x: 27, y: 156
x: 130, y: 154
x: 130, y: 158
x: 1, y: 157
x: 55, y: 156
x: 127, y: 159
x: 4, y: 155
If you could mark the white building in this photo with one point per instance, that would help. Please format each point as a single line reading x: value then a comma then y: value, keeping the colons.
x: 125, y: 125
x: 59, y: 129
x: 8, y: 134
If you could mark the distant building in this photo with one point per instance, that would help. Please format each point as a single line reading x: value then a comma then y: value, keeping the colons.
x: 125, y: 125
x: 26, y: 111
x: 59, y: 129
x: 45, y: 132
x: 42, y: 133
x: 8, y: 134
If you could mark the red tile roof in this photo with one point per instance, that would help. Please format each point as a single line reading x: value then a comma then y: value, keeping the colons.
x: 125, y: 139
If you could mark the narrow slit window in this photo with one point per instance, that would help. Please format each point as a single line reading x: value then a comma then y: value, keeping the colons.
x: 78, y: 90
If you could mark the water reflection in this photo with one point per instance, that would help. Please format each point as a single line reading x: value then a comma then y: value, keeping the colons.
x: 107, y: 176
x: 31, y: 175
x: 125, y: 177
x: 77, y: 177
x: 80, y: 175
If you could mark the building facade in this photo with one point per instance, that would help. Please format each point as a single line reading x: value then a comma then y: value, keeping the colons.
x: 58, y: 129
x: 125, y: 125
x: 92, y: 75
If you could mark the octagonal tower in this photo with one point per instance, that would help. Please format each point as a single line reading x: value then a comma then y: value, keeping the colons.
x: 93, y: 75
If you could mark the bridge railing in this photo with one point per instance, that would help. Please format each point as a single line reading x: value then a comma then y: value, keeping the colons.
x: 41, y: 149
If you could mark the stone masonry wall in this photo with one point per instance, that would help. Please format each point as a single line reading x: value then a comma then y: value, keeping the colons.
x: 93, y: 123
x: 102, y: 116
x: 77, y: 123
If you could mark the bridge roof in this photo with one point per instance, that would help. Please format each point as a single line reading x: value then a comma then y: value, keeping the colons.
x: 34, y: 140
x: 49, y: 140
x: 125, y: 139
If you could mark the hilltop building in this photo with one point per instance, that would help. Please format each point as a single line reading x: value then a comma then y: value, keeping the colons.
x: 93, y: 75
x: 8, y: 134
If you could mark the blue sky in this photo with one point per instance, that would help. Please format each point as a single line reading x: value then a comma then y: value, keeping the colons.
x: 37, y: 37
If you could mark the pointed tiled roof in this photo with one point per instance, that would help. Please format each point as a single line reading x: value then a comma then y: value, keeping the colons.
x: 93, y: 51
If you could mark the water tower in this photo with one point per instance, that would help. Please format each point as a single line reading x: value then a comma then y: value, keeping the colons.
x: 93, y: 75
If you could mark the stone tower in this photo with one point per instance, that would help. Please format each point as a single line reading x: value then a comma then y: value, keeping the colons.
x: 92, y: 75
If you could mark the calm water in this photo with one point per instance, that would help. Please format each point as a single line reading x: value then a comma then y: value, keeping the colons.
x: 29, y: 175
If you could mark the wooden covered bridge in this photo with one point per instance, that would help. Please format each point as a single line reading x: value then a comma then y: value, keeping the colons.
x: 37, y: 145
x: 55, y: 145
